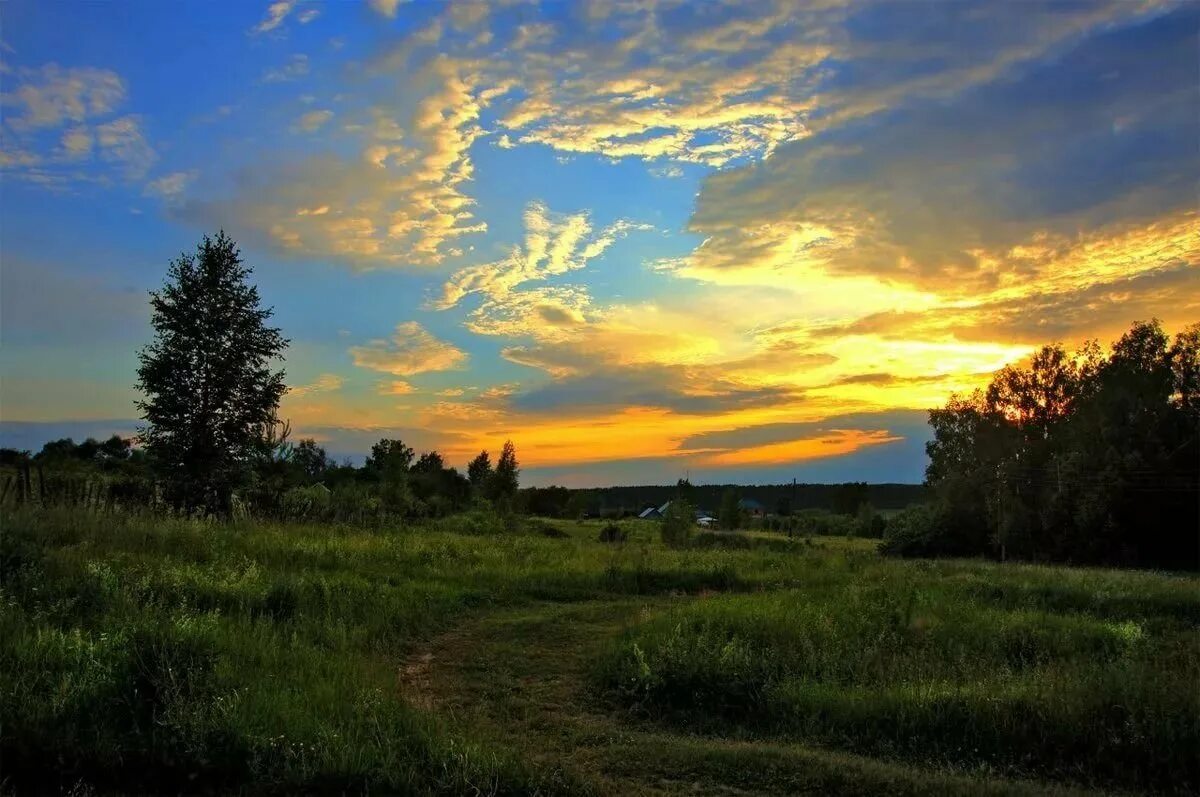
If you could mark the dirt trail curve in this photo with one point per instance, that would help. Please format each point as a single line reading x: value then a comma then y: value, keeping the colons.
x: 518, y: 679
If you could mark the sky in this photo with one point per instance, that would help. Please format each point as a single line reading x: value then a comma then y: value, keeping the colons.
x: 643, y: 239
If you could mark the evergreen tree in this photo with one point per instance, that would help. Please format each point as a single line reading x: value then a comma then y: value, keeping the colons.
x: 208, y: 376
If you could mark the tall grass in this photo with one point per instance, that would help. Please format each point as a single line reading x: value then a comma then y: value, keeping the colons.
x: 1081, y: 675
x: 161, y: 655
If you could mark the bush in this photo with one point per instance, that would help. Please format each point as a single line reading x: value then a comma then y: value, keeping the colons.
x: 545, y: 528
x: 612, y: 533
x: 307, y: 503
x: 923, y: 530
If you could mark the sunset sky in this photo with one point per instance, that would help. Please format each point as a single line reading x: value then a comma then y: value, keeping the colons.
x: 745, y: 241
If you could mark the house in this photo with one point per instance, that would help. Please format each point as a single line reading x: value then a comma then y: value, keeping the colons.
x: 751, y: 507
x: 650, y: 513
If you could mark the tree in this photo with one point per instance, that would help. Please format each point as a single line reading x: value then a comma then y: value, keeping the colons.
x: 208, y: 377
x: 430, y: 462
x: 730, y: 513
x: 504, y: 481
x: 310, y: 459
x: 678, y: 523
x: 479, y: 471
x: 390, y: 459
x: 1081, y: 458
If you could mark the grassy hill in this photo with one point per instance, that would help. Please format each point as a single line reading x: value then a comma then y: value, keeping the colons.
x: 475, y: 655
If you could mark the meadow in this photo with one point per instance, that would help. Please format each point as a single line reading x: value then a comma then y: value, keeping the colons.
x: 480, y: 654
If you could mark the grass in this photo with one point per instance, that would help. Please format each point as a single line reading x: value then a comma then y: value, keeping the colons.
x: 474, y: 655
x: 1083, y: 676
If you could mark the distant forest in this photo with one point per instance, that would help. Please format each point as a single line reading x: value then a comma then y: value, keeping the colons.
x: 779, y: 499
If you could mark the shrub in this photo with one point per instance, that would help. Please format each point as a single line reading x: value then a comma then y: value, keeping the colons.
x: 925, y: 530
x: 545, y: 528
x: 307, y: 503
x: 612, y: 533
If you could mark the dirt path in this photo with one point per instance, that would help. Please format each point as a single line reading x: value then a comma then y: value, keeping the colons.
x: 518, y: 679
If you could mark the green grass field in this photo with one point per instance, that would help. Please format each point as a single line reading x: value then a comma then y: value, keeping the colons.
x: 474, y: 656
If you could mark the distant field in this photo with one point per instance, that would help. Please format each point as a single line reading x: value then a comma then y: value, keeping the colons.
x: 470, y: 655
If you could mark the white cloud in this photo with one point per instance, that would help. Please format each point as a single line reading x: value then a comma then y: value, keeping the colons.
x: 325, y: 383
x: 121, y: 141
x: 385, y: 7
x: 554, y: 245
x: 277, y: 12
x: 296, y: 67
x: 77, y: 143
x: 411, y: 350
x: 170, y: 186
x: 313, y: 120
x: 51, y: 96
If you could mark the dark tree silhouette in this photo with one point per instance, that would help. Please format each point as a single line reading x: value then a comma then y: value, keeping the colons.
x: 505, y: 479
x: 1080, y: 458
x: 209, y: 378
x: 390, y: 459
x: 310, y: 458
x: 479, y: 471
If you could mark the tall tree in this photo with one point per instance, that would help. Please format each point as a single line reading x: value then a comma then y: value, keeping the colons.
x: 505, y: 479
x: 390, y: 459
x: 209, y: 377
x: 310, y: 458
x: 479, y: 471
x: 730, y: 513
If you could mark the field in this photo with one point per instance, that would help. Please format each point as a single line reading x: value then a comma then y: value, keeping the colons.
x: 471, y: 655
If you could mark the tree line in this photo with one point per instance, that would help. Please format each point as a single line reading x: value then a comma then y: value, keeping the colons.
x: 212, y: 443
x: 1079, y: 457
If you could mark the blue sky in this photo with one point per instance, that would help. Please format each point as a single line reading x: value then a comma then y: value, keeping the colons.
x: 749, y: 241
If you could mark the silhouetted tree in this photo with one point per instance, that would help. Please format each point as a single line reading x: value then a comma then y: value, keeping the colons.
x: 208, y: 377
x: 479, y: 471
x: 310, y: 459
x: 430, y: 462
x: 1080, y: 458
x: 390, y: 459
x: 730, y: 513
x: 504, y: 480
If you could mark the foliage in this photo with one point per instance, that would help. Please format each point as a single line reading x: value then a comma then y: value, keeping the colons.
x: 678, y: 523
x: 208, y: 378
x: 503, y: 482
x: 1081, y: 458
x: 612, y: 532
x: 730, y: 513
x: 479, y: 471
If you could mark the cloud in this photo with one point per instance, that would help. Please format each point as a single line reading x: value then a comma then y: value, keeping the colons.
x: 77, y: 143
x: 385, y: 7
x: 51, y: 96
x: 121, y: 141
x: 308, y: 15
x: 277, y: 12
x: 938, y: 194
x: 295, y: 68
x: 554, y: 245
x: 325, y: 383
x: 170, y: 186
x: 397, y: 387
x: 410, y: 350
x: 312, y: 121
x: 62, y: 132
x: 398, y: 204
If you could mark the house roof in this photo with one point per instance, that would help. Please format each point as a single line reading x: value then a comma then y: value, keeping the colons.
x: 649, y: 512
